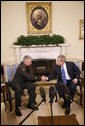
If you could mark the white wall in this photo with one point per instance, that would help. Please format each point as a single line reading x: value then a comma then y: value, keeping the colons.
x: 66, y: 17
x: 65, y: 21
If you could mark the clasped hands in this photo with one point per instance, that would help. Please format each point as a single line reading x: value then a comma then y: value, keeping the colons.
x: 43, y: 78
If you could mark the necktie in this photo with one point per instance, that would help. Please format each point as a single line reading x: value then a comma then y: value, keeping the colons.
x: 63, y: 75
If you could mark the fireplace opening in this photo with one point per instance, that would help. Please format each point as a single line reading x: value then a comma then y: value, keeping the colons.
x: 42, y: 67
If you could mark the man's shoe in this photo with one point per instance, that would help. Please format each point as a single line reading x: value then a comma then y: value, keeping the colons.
x: 35, y: 103
x: 18, y: 113
x: 67, y: 111
x: 32, y: 107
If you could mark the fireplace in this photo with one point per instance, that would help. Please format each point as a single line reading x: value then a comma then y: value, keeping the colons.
x: 43, y: 66
x: 39, y: 52
x: 44, y: 57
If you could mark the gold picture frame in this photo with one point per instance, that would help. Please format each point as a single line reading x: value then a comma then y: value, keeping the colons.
x: 39, y: 17
x: 81, y: 36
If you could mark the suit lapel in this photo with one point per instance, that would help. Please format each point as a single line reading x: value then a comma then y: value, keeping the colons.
x: 60, y: 71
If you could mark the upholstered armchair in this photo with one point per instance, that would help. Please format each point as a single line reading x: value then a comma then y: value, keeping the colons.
x: 9, y: 72
x: 79, y: 85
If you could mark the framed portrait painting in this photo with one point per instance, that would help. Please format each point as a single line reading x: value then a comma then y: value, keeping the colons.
x: 39, y: 17
x: 81, y: 36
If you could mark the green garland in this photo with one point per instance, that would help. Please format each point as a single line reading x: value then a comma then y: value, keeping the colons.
x: 39, y: 40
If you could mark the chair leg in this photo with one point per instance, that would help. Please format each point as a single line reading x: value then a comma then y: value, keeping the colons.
x: 4, y: 97
x: 9, y: 98
x: 10, y: 103
x: 56, y: 97
x: 81, y: 100
x: 81, y: 96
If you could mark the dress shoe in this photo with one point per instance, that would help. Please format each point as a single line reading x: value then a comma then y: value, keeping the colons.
x: 35, y: 103
x: 18, y: 113
x: 32, y: 107
x: 67, y: 111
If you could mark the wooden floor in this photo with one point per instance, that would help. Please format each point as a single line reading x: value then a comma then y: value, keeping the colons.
x: 44, y: 110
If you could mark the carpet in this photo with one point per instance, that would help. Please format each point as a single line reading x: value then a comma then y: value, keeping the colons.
x: 58, y: 120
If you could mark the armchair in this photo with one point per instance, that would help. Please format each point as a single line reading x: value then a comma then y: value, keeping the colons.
x: 9, y: 72
x: 79, y: 91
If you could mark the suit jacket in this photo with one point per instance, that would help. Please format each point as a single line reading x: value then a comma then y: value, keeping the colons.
x: 72, y: 69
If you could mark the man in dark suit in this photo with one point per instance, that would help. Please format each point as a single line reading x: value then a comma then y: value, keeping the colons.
x: 24, y: 79
x: 68, y: 74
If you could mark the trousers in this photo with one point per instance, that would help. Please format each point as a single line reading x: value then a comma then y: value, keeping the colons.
x: 18, y: 93
x: 71, y: 86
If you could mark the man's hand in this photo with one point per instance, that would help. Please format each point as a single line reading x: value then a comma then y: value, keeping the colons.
x: 75, y: 81
x: 43, y: 78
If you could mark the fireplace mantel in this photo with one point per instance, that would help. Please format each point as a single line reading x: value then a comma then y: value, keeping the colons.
x: 39, y: 52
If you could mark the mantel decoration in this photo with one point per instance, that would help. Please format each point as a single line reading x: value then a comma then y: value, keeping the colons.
x: 39, y: 17
x: 30, y: 40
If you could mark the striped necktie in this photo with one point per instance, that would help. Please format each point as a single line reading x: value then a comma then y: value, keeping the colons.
x: 63, y: 74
